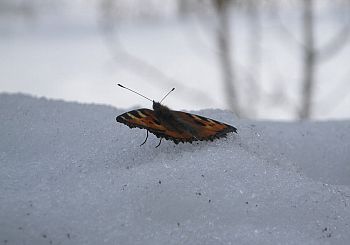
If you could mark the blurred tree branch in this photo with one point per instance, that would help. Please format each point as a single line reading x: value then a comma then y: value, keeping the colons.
x: 255, y: 55
x: 223, y: 39
x: 313, y: 55
x: 309, y: 59
x: 136, y: 64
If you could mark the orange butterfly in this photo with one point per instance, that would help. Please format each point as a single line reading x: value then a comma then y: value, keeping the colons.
x: 172, y: 125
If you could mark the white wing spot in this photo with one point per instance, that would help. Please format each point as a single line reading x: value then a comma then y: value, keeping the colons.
x: 141, y: 114
x: 197, y: 118
x: 131, y: 115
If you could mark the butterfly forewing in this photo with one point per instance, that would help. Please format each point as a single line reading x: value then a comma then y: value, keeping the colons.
x: 146, y: 119
x: 141, y: 118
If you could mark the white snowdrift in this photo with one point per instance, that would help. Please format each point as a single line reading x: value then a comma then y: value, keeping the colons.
x: 69, y: 174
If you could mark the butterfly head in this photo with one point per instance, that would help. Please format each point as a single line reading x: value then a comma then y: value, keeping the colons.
x: 157, y: 106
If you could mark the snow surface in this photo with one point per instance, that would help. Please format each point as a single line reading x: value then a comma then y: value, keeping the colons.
x: 69, y: 174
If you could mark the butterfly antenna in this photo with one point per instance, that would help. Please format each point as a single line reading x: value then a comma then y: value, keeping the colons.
x: 167, y: 94
x: 134, y: 92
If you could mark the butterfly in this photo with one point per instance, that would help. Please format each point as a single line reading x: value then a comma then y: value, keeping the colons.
x: 177, y: 126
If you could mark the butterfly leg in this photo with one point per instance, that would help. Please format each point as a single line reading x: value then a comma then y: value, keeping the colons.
x: 145, y: 139
x: 159, y: 142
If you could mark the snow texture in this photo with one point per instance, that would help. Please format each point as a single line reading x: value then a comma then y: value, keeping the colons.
x: 69, y: 174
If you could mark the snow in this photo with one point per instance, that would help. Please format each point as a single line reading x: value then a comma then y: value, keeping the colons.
x: 69, y: 174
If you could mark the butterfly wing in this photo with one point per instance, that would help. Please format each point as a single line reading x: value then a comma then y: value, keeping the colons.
x: 146, y: 119
x: 199, y: 128
x: 205, y: 128
x: 141, y: 118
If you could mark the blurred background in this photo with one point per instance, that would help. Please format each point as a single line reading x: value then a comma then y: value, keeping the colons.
x: 261, y: 59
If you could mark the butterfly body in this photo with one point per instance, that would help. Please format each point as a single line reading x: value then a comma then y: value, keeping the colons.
x: 177, y: 126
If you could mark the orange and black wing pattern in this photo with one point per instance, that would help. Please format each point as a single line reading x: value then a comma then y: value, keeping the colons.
x: 205, y: 128
x: 146, y: 119
x: 186, y: 127
x: 141, y: 118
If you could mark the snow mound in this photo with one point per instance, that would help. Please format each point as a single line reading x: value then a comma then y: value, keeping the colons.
x: 69, y: 174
